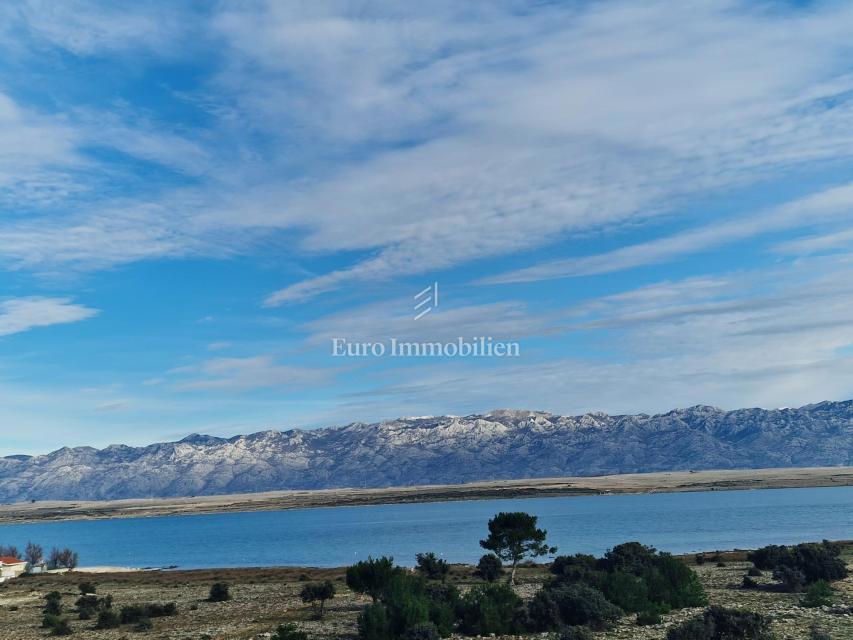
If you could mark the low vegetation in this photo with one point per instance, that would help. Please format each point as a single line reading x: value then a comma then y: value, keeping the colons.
x: 631, y: 591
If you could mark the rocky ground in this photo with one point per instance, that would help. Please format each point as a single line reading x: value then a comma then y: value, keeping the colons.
x: 262, y: 598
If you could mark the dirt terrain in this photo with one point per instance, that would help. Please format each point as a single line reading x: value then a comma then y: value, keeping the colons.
x: 263, y: 598
x: 661, y: 482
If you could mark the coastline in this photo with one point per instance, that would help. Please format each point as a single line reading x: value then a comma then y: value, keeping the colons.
x: 656, y: 482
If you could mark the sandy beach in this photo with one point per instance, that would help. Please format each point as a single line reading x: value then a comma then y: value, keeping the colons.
x: 721, y: 480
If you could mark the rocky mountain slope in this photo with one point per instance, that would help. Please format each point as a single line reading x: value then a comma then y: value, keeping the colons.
x: 440, y: 450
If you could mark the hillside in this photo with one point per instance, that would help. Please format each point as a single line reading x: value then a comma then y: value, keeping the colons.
x: 441, y: 450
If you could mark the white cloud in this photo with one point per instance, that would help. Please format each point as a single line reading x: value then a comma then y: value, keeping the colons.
x: 834, y: 203
x: 433, y: 137
x: 238, y: 374
x: 777, y: 337
x: 22, y: 314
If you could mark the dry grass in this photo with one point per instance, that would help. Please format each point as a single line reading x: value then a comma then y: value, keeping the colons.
x: 263, y: 598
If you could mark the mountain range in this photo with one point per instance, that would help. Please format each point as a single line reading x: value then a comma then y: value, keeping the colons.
x: 504, y: 444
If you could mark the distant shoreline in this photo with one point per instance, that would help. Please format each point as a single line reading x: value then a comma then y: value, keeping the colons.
x: 657, y: 482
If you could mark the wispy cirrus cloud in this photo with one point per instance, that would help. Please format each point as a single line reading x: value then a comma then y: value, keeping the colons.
x: 458, y: 133
x: 22, y: 314
x: 241, y: 374
x: 833, y: 204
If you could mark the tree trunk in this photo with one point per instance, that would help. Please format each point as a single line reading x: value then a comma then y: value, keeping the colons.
x: 512, y: 574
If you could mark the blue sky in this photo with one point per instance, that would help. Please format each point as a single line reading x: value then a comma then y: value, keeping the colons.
x: 654, y: 200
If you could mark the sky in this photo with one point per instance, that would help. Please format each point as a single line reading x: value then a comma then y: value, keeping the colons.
x: 653, y: 200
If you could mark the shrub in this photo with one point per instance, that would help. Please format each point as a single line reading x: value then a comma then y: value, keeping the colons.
x: 580, y: 604
x: 576, y: 633
x: 491, y: 608
x: 107, y: 619
x: 672, y: 582
x: 88, y: 605
x: 136, y: 612
x: 422, y: 631
x: 443, y: 601
x: 749, y: 583
x: 543, y: 614
x: 793, y: 580
x: 646, y: 618
x: 371, y: 576
x: 405, y: 603
x: 695, y: 629
x: 627, y: 591
x: 373, y: 623
x: 802, y: 564
x: 317, y: 594
x: 431, y: 566
x: 61, y: 628
x: 819, y: 594
x: 577, y: 568
x: 490, y: 567
x: 289, y: 632
x: 143, y: 624
x: 219, y: 592
x: 630, y: 557
x: 754, y: 572
x: 87, y: 588
x: 719, y: 623
x: 49, y: 620
x: 53, y: 603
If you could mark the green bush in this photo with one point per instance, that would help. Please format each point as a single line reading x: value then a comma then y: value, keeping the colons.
x: 443, y: 601
x: 317, y: 593
x: 627, y: 591
x: 289, y: 632
x: 143, y: 624
x: 61, y: 628
x: 490, y: 568
x: 49, y: 620
x: 652, y: 615
x: 431, y: 566
x: 646, y: 618
x: 819, y: 594
x: 219, y: 592
x: 107, y: 619
x: 371, y: 576
x: 577, y: 568
x: 630, y: 557
x: 422, y: 631
x: 491, y: 608
x: 672, y: 582
x: 580, y: 604
x: 543, y: 614
x: 719, y: 623
x: 53, y: 603
x: 136, y: 612
x: 793, y: 580
x: 576, y: 633
x: 87, y: 588
x: 634, y: 577
x: 754, y: 572
x: 802, y: 564
x: 373, y: 623
x: 405, y: 603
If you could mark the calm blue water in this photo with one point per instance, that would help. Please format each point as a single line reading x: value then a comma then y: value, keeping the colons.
x: 677, y: 522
